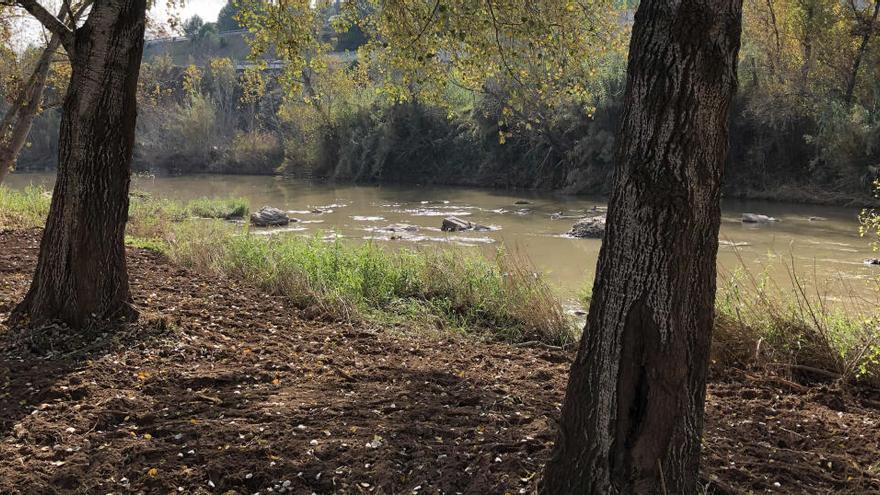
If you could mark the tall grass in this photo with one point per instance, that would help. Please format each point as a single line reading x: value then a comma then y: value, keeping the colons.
x: 28, y: 207
x: 448, y: 288
x: 796, y: 328
x: 762, y: 323
x: 25, y: 208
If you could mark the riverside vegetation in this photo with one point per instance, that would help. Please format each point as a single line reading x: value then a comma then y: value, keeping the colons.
x: 758, y: 324
x: 805, y: 123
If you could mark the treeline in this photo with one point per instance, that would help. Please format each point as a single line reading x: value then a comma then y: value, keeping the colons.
x: 805, y: 123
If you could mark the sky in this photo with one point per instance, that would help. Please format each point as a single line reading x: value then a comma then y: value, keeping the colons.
x: 28, y: 29
x: 206, y: 9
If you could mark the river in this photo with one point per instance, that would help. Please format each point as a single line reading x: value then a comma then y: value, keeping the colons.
x: 827, y: 251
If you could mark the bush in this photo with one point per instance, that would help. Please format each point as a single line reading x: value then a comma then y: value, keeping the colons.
x: 253, y: 153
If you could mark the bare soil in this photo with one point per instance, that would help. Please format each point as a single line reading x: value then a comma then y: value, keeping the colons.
x: 222, y: 389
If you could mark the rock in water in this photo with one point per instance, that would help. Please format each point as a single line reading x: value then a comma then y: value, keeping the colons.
x: 589, y: 228
x: 400, y: 227
x: 269, y: 217
x: 454, y: 224
x: 756, y: 218
x: 872, y: 261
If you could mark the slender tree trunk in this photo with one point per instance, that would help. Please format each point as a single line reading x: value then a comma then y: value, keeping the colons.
x: 807, y: 47
x: 774, y: 60
x: 868, y: 31
x: 17, y: 123
x: 81, y: 272
x: 633, y: 413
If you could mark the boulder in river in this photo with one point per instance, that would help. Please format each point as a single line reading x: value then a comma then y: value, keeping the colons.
x: 454, y: 224
x: 757, y: 218
x: 522, y: 202
x: 400, y: 227
x: 269, y: 217
x: 589, y: 228
x: 872, y: 261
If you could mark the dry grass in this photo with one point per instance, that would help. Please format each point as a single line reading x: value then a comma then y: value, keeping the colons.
x: 796, y: 328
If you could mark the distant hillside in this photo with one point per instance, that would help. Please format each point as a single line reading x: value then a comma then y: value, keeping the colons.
x: 186, y: 51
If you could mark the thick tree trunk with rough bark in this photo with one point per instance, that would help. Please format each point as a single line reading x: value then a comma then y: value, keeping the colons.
x: 633, y: 413
x: 17, y: 123
x: 81, y: 273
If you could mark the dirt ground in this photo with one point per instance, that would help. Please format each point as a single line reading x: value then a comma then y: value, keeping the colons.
x: 221, y: 389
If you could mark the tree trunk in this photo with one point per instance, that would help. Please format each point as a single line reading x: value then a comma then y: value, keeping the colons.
x: 867, y: 32
x: 81, y: 273
x: 633, y: 413
x: 18, y: 120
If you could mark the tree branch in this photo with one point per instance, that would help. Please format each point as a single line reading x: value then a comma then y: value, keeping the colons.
x: 50, y: 22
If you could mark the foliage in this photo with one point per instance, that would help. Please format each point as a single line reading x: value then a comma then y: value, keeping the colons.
x: 530, y: 56
x: 207, y: 120
x: 193, y: 26
x: 807, y: 111
x: 254, y: 152
x: 292, y: 31
x: 226, y: 19
x: 870, y: 222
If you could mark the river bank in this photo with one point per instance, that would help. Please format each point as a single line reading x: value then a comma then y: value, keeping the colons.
x: 222, y: 387
x: 821, y: 240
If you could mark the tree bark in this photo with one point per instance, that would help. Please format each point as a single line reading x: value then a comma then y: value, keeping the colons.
x: 17, y: 123
x: 81, y: 272
x: 633, y: 412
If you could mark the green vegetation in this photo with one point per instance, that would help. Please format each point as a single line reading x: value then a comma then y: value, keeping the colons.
x: 870, y: 222
x: 430, y: 288
x: 757, y: 323
x: 760, y: 324
x: 802, y: 129
x: 26, y: 208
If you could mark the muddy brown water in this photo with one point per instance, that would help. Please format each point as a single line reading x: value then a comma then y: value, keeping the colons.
x: 823, y: 242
